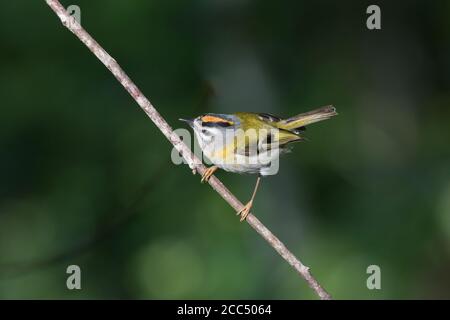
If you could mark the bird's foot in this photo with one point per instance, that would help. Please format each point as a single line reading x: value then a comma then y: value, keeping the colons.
x: 245, y: 210
x: 208, y: 173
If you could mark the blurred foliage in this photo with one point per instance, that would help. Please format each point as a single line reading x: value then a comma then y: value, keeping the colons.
x: 86, y: 178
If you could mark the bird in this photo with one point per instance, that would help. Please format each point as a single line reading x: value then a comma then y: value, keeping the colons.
x: 250, y: 142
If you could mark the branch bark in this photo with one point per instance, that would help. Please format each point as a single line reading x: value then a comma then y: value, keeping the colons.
x: 194, y: 163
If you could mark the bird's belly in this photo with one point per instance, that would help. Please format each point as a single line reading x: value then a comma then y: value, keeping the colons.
x: 260, y: 163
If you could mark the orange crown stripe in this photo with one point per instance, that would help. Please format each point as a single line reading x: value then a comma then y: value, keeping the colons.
x: 214, y: 119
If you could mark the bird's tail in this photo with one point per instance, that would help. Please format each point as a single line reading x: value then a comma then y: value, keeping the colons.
x: 306, y: 118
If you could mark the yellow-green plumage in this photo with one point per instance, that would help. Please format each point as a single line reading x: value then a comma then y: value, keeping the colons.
x: 287, y: 128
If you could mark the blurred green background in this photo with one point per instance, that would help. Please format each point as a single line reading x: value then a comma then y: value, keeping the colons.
x: 87, y: 179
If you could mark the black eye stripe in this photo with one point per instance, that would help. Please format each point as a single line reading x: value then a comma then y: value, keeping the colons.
x: 216, y: 124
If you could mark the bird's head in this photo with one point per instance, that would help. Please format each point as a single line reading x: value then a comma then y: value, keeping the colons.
x: 209, y: 126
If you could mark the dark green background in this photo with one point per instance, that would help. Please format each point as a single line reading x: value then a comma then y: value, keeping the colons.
x: 86, y: 178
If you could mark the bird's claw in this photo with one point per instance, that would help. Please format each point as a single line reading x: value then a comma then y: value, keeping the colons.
x: 208, y: 173
x: 245, y: 210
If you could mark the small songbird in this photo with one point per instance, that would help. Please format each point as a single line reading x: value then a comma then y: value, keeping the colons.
x: 246, y: 142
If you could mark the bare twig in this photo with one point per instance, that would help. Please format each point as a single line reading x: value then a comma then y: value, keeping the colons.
x: 193, y: 162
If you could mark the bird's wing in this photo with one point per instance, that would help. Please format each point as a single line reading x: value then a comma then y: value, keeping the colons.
x: 246, y: 143
x: 286, y: 136
x: 269, y: 117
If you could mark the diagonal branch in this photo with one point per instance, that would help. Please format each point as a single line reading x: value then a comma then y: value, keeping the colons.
x: 193, y: 162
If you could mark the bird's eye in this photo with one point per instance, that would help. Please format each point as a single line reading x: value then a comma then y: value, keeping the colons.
x: 206, y: 132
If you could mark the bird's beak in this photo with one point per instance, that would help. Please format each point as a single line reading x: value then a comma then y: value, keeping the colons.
x: 188, y: 121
